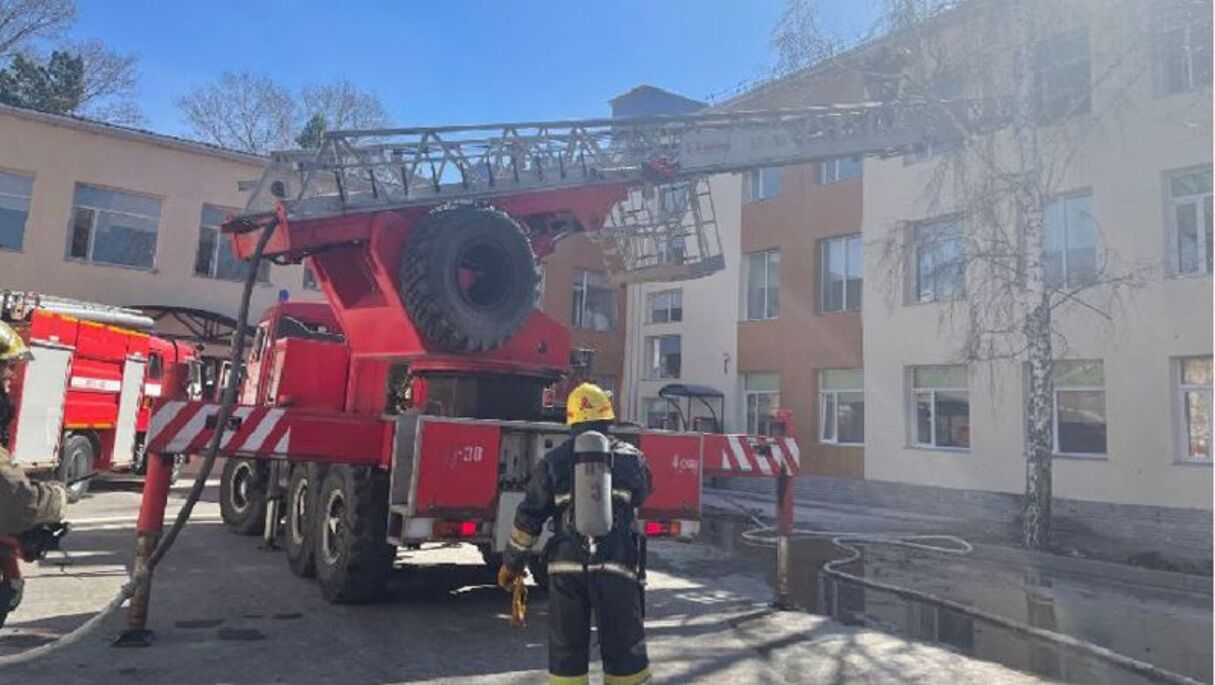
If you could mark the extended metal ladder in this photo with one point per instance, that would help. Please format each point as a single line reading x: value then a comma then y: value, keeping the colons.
x: 657, y: 234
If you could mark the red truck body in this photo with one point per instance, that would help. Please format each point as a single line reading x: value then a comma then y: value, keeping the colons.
x: 87, y: 379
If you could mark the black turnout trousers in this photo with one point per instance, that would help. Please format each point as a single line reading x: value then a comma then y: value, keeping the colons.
x: 616, y: 603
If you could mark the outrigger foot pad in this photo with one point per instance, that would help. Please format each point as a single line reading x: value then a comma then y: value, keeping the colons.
x: 141, y: 637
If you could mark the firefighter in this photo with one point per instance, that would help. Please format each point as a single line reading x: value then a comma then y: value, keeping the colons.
x: 23, y: 504
x: 599, y: 575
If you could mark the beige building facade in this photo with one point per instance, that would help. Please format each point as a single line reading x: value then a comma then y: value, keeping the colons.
x: 123, y: 217
x: 1132, y: 409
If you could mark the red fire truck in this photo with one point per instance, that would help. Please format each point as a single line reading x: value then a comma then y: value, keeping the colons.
x: 81, y: 403
x: 422, y: 421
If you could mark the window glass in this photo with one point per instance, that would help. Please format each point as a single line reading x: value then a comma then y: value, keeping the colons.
x: 114, y: 227
x: 1079, y: 407
x: 839, y: 169
x: 941, y: 406
x: 763, y: 285
x: 1062, y: 80
x: 1183, y: 45
x: 664, y: 356
x: 842, y: 406
x: 761, y: 399
x: 1196, y: 407
x: 215, y: 256
x: 842, y: 274
x: 761, y: 184
x: 1070, y: 242
x: 1190, y: 197
x: 15, y: 192
x: 665, y: 306
x: 594, y: 303
x: 940, y: 268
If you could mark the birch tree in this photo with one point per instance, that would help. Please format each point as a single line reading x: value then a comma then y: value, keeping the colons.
x: 1042, y: 79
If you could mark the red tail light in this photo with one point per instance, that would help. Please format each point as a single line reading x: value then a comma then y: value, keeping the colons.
x: 455, y: 529
x: 662, y: 529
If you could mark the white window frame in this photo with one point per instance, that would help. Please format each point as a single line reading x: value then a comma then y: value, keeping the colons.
x: 916, y: 294
x: 27, y: 199
x: 92, y: 243
x: 755, y: 395
x: 913, y: 413
x: 767, y: 314
x: 1193, y: 25
x: 1055, y: 450
x: 1043, y: 71
x: 1067, y: 229
x: 654, y: 367
x: 834, y: 394
x: 829, y: 170
x: 581, y: 280
x: 763, y: 184
x: 1200, y: 203
x: 1184, y: 424
x: 824, y: 254
x: 674, y: 296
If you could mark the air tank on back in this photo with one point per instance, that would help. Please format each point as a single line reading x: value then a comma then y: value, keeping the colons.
x: 592, y: 485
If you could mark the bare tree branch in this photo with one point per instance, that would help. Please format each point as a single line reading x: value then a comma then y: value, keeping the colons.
x: 243, y: 111
x: 22, y: 21
x: 344, y: 105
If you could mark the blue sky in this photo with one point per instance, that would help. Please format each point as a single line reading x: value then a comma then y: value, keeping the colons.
x: 450, y: 61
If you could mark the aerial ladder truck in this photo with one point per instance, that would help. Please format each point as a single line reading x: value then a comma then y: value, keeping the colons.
x: 416, y: 415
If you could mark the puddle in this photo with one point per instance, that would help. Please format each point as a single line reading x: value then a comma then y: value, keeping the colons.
x: 1166, y: 628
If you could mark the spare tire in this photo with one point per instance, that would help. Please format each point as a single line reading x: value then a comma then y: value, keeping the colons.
x: 468, y: 278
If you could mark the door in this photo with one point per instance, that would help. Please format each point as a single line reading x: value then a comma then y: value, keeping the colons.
x: 128, y: 406
x: 40, y: 412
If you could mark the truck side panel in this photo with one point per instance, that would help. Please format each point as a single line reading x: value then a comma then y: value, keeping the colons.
x: 40, y: 403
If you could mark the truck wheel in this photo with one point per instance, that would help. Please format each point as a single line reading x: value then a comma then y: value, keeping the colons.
x: 301, y: 500
x: 75, y: 463
x: 350, y: 522
x: 468, y: 278
x: 242, y: 497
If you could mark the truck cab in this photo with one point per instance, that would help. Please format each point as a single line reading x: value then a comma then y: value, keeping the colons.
x: 296, y: 335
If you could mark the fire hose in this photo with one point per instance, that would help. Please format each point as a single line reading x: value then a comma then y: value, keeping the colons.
x: 143, y: 574
x: 765, y: 535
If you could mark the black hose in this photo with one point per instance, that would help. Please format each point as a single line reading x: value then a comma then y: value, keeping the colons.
x: 144, y: 574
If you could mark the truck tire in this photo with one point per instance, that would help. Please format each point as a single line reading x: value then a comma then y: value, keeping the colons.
x: 468, y: 278
x: 76, y: 461
x: 353, y: 559
x: 242, y: 496
x: 298, y: 531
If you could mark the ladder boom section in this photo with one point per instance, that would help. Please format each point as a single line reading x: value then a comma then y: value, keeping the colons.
x: 374, y: 169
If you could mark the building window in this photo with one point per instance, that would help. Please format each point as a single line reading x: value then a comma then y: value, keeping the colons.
x: 1079, y: 407
x: 841, y: 406
x: 660, y: 414
x: 1070, y: 243
x: 940, y: 263
x: 1196, y: 414
x: 215, y: 257
x: 1062, y: 81
x: 1183, y: 46
x: 112, y: 227
x: 841, y: 274
x: 663, y: 356
x: 763, y: 285
x: 941, y: 405
x: 1190, y: 216
x: 761, y: 184
x: 594, y: 301
x: 310, y: 277
x: 761, y: 397
x: 15, y: 192
x: 665, y: 306
x: 839, y: 169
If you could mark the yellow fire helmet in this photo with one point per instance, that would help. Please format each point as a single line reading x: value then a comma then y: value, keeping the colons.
x: 588, y: 402
x: 12, y: 347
